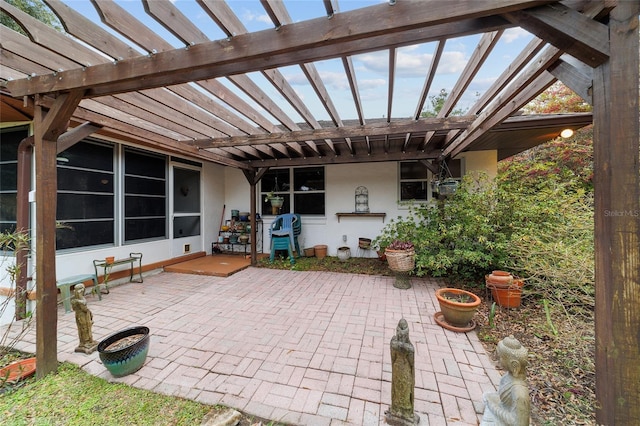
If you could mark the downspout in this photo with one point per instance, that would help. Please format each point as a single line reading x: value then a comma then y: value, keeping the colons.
x: 25, y: 157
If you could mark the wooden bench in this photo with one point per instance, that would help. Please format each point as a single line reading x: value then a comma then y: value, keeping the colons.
x: 108, y: 267
x: 65, y: 284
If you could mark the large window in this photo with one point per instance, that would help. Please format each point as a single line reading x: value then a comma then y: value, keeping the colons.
x: 85, y: 207
x: 11, y: 138
x: 145, y: 195
x: 303, y: 190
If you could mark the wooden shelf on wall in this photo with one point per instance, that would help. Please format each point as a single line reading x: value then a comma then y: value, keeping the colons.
x: 381, y: 215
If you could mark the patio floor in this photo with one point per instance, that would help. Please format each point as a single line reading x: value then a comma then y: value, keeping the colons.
x: 308, y: 348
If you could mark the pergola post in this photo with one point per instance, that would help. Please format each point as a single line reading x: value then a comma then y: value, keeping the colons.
x: 47, y: 127
x: 617, y: 222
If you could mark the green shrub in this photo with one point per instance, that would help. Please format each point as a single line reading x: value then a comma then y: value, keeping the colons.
x: 541, y: 230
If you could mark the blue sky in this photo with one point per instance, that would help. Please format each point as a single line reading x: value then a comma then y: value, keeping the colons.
x: 412, y: 62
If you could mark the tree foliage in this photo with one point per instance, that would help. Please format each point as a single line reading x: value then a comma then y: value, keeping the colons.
x: 557, y: 99
x: 437, y: 102
x: 36, y: 9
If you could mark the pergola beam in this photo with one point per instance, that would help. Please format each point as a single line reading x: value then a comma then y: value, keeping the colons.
x: 585, y: 39
x: 301, y: 42
x: 374, y: 129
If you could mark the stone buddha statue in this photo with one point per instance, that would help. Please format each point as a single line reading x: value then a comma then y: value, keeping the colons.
x: 511, y: 405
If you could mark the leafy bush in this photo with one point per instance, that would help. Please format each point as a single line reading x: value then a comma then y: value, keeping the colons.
x: 540, y: 229
x: 458, y: 236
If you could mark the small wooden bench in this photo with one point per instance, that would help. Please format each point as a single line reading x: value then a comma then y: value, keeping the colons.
x: 108, y: 267
x: 65, y: 284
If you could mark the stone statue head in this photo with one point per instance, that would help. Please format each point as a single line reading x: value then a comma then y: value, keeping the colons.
x: 402, y: 330
x: 78, y: 290
x: 512, y: 355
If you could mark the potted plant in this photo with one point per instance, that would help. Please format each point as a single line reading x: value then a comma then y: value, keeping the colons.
x: 401, y: 256
x: 275, y: 200
x: 457, y: 308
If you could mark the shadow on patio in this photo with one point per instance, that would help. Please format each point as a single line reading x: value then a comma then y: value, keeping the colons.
x: 306, y: 348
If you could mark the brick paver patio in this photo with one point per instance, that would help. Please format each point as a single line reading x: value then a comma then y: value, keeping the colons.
x: 307, y: 348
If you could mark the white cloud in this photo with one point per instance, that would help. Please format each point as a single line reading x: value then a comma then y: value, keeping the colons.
x: 413, y: 64
x: 335, y: 80
x: 249, y: 16
x: 512, y: 34
x: 371, y: 83
x: 451, y: 62
x: 377, y: 62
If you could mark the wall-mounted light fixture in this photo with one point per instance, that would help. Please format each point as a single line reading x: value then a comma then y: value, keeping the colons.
x: 566, y: 133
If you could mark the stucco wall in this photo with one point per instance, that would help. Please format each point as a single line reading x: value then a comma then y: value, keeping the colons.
x: 381, y: 180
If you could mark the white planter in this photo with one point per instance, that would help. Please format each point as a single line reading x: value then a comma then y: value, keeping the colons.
x: 344, y: 253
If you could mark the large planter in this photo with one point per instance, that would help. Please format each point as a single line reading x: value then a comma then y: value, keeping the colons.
x: 125, y: 351
x: 457, y: 308
x: 401, y: 260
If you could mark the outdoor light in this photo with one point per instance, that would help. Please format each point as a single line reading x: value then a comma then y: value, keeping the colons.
x: 566, y: 133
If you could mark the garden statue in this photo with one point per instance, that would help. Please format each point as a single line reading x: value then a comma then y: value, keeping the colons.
x: 84, y: 321
x: 511, y: 405
x: 402, y: 379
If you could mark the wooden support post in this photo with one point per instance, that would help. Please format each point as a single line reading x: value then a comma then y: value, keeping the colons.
x: 617, y: 223
x: 253, y: 179
x: 46, y: 302
x: 48, y: 126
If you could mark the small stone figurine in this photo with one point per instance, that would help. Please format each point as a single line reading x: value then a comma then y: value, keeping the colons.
x: 84, y: 321
x: 403, y: 379
x: 511, y: 405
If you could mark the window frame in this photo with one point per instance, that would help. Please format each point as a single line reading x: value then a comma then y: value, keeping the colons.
x: 290, y: 194
x: 429, y: 180
x: 85, y: 222
x: 127, y: 196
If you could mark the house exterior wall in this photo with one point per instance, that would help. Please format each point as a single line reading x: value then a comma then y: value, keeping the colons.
x: 381, y: 180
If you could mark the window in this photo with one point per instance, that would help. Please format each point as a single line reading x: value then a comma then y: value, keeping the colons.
x: 145, y: 195
x: 186, y: 202
x: 303, y: 190
x: 85, y: 206
x: 415, y: 179
x: 11, y: 138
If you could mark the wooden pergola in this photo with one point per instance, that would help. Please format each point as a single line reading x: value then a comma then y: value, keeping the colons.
x: 151, y: 93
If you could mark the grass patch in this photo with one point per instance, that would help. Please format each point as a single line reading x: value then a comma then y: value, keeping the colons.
x: 74, y: 397
x: 353, y: 265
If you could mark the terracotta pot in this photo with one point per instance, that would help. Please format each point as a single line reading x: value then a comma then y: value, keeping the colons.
x: 507, y: 295
x: 109, y: 259
x: 320, y: 251
x: 456, y: 311
x: 499, y: 277
x: 309, y: 252
x: 18, y: 370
